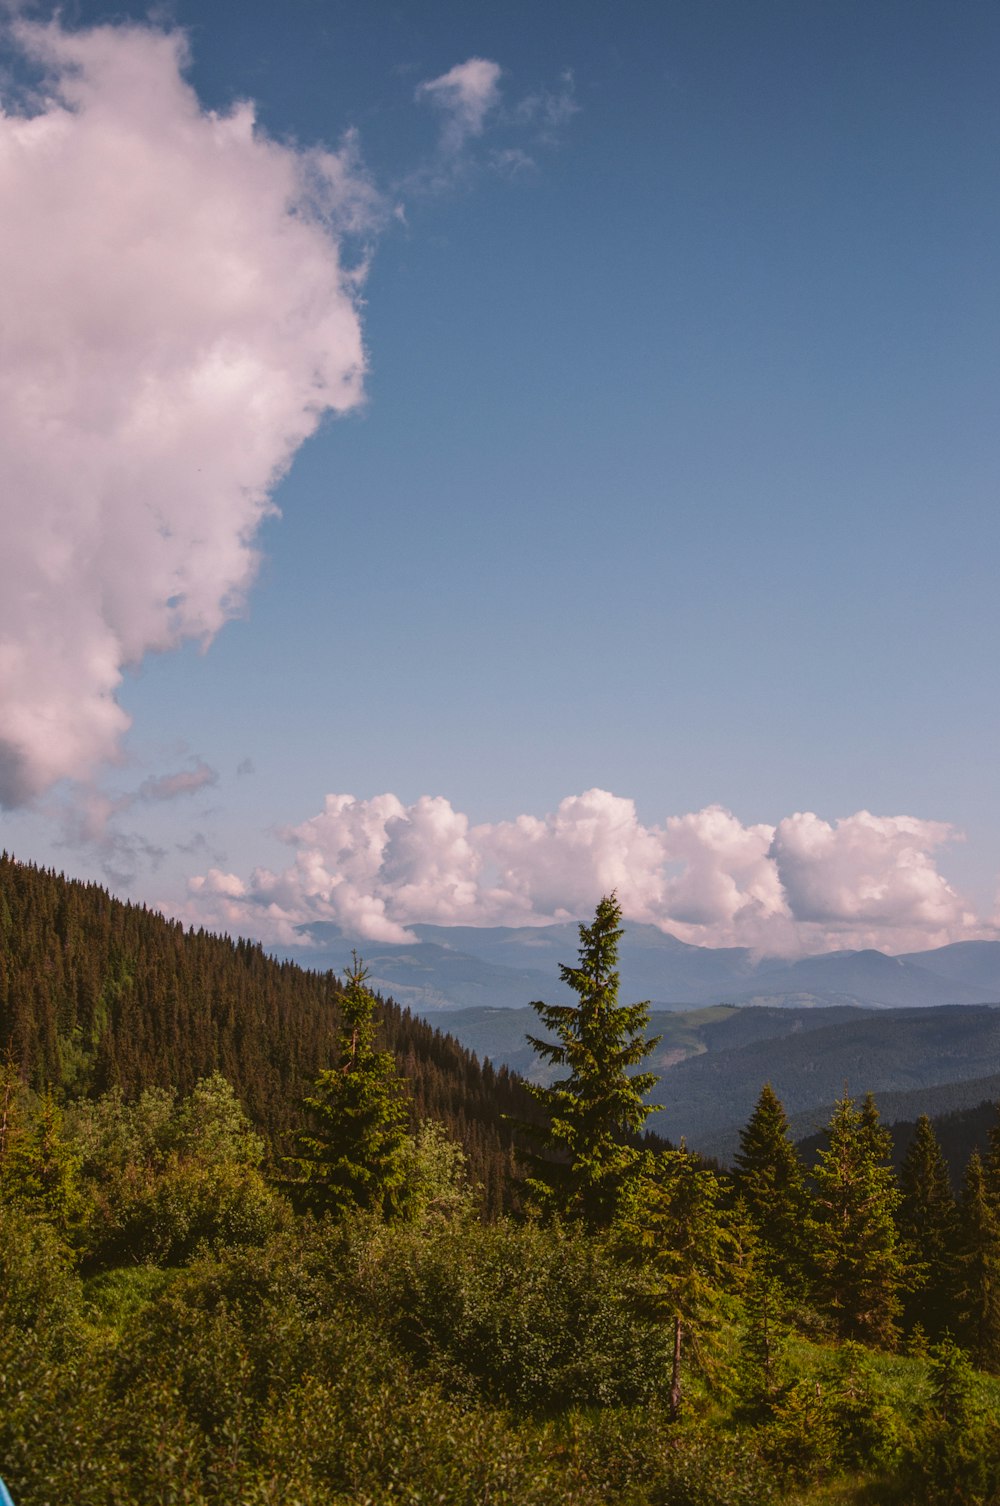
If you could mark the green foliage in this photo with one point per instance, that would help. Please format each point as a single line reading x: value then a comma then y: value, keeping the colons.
x: 928, y: 1229
x: 164, y: 1177
x: 357, y: 1155
x: 763, y: 1367
x: 40, y: 1168
x: 841, y: 1417
x: 955, y: 1457
x: 39, y: 1291
x: 768, y: 1177
x: 591, y: 1112
x: 978, y: 1268
x: 673, y: 1231
x: 437, y: 1176
x: 855, y: 1244
x: 535, y: 1316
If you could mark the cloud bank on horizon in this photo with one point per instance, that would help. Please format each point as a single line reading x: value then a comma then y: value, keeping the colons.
x: 176, y: 317
x: 377, y: 866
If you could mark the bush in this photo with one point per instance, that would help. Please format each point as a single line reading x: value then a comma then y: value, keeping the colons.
x: 532, y: 1317
x: 39, y: 1293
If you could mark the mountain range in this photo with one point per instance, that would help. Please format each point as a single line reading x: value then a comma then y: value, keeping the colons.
x: 713, y: 1061
x: 916, y: 1030
x: 457, y: 967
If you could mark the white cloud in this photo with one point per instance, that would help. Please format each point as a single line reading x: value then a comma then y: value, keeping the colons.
x: 465, y: 94
x: 175, y: 319
x: 377, y: 867
x: 867, y: 873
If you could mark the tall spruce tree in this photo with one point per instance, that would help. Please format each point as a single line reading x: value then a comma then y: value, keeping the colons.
x: 855, y: 1249
x: 592, y: 1111
x: 978, y: 1273
x: 928, y: 1230
x: 357, y: 1153
x: 768, y: 1177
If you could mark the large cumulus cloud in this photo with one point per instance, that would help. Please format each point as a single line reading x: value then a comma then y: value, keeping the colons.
x: 175, y: 318
x: 378, y: 866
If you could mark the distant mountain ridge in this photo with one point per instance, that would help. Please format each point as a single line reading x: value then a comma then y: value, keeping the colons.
x: 713, y: 1061
x: 460, y: 967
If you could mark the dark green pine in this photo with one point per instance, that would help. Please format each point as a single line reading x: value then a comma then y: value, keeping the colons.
x: 768, y: 1177
x: 855, y: 1244
x: 928, y: 1228
x: 355, y: 1155
x: 591, y: 1112
x: 978, y: 1268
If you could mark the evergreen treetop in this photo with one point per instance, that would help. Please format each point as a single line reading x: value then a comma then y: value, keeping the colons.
x: 978, y: 1268
x: 928, y: 1227
x: 357, y: 1153
x: 768, y: 1177
x: 597, y: 1106
x: 855, y: 1249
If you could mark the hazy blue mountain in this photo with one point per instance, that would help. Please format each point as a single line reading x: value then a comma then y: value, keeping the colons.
x: 501, y: 1034
x: 713, y: 1062
x: 937, y: 1102
x: 710, y: 1097
x: 869, y: 977
x: 426, y: 975
x: 455, y: 967
x: 974, y: 963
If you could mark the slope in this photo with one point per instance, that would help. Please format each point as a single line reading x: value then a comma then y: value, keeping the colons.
x: 96, y: 994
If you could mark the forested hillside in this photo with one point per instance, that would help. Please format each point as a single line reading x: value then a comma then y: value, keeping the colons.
x: 345, y: 1316
x: 96, y: 994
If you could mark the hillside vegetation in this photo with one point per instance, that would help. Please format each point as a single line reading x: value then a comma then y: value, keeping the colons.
x: 211, y: 1296
x: 97, y: 995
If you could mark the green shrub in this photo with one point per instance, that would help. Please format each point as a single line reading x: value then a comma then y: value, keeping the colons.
x: 39, y: 1292
x: 534, y: 1317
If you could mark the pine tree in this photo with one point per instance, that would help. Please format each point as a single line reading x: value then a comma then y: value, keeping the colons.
x: 856, y: 1252
x: 673, y: 1227
x: 358, y: 1154
x: 768, y: 1178
x: 591, y: 1112
x: 978, y: 1277
x: 928, y: 1230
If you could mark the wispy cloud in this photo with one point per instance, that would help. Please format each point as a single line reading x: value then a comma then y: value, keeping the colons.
x: 183, y: 782
x: 378, y: 866
x: 472, y: 105
x: 465, y: 95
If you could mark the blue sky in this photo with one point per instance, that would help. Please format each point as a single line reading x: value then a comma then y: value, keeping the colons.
x: 674, y: 477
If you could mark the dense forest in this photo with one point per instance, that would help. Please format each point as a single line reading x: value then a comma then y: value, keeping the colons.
x: 98, y: 995
x: 264, y: 1237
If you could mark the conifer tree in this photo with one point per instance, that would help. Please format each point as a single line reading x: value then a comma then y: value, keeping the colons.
x: 591, y: 1112
x: 357, y: 1154
x: 978, y: 1281
x: 768, y: 1177
x: 928, y: 1229
x: 674, y: 1228
x: 856, y: 1252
